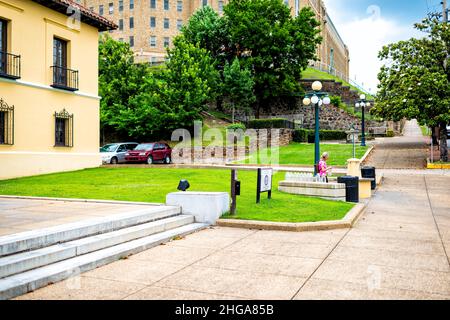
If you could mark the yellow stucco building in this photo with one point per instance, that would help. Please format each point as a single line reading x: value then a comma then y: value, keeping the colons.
x: 49, y: 103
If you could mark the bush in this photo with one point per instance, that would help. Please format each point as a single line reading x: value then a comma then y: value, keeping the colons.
x: 305, y: 135
x: 267, y: 124
x: 390, y: 134
x: 236, y: 126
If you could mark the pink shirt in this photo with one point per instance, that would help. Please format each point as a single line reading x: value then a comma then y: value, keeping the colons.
x: 322, y: 168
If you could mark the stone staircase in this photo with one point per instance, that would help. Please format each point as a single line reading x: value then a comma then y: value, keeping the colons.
x: 34, y: 259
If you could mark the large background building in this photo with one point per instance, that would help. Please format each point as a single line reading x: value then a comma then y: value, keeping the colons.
x: 150, y: 26
x: 49, y: 103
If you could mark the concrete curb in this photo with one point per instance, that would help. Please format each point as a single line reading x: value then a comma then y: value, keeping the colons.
x: 437, y: 166
x: 346, y: 223
x: 367, y: 154
x: 83, y: 200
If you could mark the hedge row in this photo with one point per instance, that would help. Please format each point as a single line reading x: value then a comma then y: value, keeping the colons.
x: 305, y: 135
x: 267, y: 123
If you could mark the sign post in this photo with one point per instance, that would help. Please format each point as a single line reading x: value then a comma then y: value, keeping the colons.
x: 264, y: 183
x: 233, y: 191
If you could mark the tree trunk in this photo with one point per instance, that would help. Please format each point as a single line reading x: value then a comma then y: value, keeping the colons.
x: 443, y: 142
x: 434, y: 136
x: 219, y: 104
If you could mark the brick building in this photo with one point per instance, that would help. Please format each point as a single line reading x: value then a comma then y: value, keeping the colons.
x: 150, y: 26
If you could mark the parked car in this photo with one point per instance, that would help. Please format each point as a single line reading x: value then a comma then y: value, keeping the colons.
x: 150, y: 153
x: 114, y: 153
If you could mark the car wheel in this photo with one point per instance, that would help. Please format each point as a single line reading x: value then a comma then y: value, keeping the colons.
x: 167, y: 160
x: 114, y: 160
x: 150, y: 160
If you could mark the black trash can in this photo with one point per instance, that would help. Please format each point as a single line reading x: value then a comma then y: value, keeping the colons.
x: 370, y: 173
x: 352, y: 188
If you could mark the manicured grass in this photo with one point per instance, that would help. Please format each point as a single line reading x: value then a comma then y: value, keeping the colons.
x: 154, y: 183
x: 311, y: 73
x: 303, y: 154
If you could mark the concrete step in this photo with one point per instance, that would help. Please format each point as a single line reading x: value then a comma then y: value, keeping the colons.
x: 42, y: 238
x: 22, y: 283
x: 29, y: 260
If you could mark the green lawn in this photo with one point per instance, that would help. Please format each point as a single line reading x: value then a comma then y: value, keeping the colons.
x: 303, y: 154
x: 152, y: 185
x: 311, y: 73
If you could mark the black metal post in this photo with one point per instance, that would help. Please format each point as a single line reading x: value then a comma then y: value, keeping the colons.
x: 363, y: 137
x: 233, y: 192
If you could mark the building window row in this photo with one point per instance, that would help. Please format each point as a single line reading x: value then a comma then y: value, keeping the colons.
x: 153, y: 41
x: 153, y: 5
x: 166, y: 23
x: 63, y: 125
x: 10, y: 64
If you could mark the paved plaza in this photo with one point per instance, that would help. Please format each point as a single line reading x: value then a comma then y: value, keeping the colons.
x: 20, y: 215
x: 398, y: 250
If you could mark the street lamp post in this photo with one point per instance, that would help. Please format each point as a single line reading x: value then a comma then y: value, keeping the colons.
x: 317, y: 98
x: 362, y: 102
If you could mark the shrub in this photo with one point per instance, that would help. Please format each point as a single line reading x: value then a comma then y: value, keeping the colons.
x: 305, y: 135
x: 390, y: 134
x: 267, y: 124
x: 236, y: 126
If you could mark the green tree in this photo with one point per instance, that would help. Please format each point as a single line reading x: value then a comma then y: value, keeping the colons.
x: 415, y: 80
x: 119, y: 79
x: 174, y: 98
x: 271, y: 43
x: 238, y: 84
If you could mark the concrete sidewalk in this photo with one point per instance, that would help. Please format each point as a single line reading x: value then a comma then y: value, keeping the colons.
x: 399, y: 250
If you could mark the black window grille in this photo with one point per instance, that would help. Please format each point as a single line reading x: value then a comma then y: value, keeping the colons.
x: 63, y: 129
x: 6, y: 123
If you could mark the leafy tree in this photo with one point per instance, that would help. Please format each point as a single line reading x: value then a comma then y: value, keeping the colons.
x: 209, y: 31
x: 415, y: 80
x: 176, y: 97
x: 238, y: 84
x: 119, y: 79
x: 273, y: 44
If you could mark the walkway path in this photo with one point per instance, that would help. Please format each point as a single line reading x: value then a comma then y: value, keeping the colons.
x: 398, y: 250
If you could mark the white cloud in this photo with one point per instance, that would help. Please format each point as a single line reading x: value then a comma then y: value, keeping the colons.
x: 365, y: 36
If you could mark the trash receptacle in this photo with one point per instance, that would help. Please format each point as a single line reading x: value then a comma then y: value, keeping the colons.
x: 370, y: 173
x: 351, y: 188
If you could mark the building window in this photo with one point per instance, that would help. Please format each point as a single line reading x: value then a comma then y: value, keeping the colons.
x: 131, y: 4
x: 204, y: 3
x: 91, y: 8
x: 3, y: 46
x: 121, y: 24
x: 180, y: 6
x: 100, y: 10
x: 120, y: 39
x: 131, y: 41
x: 152, y: 22
x: 111, y: 8
x: 153, y: 41
x: 166, y: 41
x: 220, y: 4
x: 63, y: 129
x: 179, y: 24
x: 120, y: 5
x: 6, y: 123
x: 166, y: 5
x: 131, y: 22
x: 166, y: 23
x: 286, y: 2
x: 60, y: 62
x: 153, y: 4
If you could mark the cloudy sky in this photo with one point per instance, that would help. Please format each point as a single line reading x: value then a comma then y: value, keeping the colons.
x: 367, y: 25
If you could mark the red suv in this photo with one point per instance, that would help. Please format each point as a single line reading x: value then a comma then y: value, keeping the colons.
x: 150, y: 152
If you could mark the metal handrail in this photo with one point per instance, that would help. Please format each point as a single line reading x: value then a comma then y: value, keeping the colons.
x: 320, y: 66
x: 10, y: 66
x: 64, y: 78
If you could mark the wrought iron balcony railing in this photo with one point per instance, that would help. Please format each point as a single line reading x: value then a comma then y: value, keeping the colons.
x: 9, y: 65
x: 65, y: 79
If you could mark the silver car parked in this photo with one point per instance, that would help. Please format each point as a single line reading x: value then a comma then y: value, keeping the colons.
x: 114, y: 153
